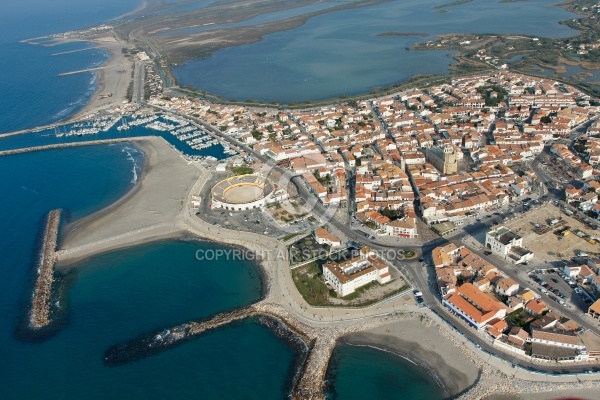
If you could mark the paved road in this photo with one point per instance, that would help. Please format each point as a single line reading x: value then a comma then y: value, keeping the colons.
x: 137, y: 96
x: 420, y: 276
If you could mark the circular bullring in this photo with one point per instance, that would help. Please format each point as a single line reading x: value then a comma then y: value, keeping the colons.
x: 242, y: 192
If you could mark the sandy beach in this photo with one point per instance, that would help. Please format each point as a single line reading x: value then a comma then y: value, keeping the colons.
x: 156, y: 199
x: 112, y: 79
x: 583, y: 394
x: 425, y: 347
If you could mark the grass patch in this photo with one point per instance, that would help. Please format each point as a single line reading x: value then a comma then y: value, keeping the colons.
x: 242, y: 170
x: 291, y: 235
x: 310, y: 284
x: 408, y: 253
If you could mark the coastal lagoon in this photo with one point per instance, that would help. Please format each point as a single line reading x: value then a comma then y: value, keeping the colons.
x: 114, y: 296
x: 339, y: 53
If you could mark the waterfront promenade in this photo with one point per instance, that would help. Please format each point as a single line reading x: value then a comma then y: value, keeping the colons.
x: 160, y: 207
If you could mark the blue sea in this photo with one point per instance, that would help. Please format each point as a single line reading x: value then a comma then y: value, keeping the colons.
x: 116, y: 296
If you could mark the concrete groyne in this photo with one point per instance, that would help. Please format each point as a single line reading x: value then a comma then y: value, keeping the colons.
x: 42, y: 293
x: 72, y: 144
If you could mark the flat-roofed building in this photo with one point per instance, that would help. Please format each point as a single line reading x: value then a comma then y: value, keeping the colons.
x: 347, y: 276
x: 508, y: 244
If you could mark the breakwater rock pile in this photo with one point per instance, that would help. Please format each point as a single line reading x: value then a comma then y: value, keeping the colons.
x: 319, y: 341
x: 42, y: 293
x: 156, y: 342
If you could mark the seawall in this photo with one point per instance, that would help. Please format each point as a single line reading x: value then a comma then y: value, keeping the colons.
x: 42, y: 293
x: 67, y: 145
x: 310, y: 377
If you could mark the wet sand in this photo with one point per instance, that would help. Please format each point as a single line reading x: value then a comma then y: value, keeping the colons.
x: 425, y: 347
x: 148, y: 212
x: 113, y: 78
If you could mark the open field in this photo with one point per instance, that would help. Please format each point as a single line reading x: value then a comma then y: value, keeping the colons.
x: 550, y: 246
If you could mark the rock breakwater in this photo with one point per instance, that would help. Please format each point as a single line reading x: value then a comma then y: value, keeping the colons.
x: 42, y: 293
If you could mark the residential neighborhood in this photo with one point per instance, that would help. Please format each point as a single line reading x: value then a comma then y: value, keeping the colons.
x: 461, y: 161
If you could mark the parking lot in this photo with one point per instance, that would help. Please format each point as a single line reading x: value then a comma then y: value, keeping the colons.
x: 552, y: 282
x: 548, y: 245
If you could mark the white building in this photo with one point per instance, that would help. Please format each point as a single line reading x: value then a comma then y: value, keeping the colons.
x: 406, y: 227
x: 507, y: 287
x: 322, y: 236
x: 346, y: 276
x: 508, y: 244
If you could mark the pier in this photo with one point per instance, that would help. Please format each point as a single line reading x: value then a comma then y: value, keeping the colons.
x: 40, y: 307
x: 75, y: 51
x: 81, y: 71
x: 67, y: 145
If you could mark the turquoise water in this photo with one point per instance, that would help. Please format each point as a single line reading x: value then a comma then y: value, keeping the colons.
x: 340, y: 53
x: 116, y: 296
x: 368, y: 373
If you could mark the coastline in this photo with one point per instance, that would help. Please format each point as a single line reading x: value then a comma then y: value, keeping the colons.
x: 121, y: 224
x: 424, y: 347
x: 111, y: 80
x: 157, y: 211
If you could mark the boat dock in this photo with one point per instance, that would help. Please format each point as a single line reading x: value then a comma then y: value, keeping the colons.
x: 40, y: 302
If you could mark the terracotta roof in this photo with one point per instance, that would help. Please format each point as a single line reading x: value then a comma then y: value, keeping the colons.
x: 595, y: 307
x: 536, y: 306
x: 479, y: 298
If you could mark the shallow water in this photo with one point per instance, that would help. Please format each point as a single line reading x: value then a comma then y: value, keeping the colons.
x: 340, y: 53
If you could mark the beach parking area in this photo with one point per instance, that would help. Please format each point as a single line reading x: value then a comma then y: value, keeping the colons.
x: 549, y: 245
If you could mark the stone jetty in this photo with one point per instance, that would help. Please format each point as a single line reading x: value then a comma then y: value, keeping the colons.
x: 72, y: 144
x: 320, y: 342
x: 40, y: 307
x: 309, y: 384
